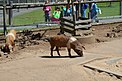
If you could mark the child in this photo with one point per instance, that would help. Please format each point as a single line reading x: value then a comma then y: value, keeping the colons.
x: 56, y: 15
x: 47, y: 10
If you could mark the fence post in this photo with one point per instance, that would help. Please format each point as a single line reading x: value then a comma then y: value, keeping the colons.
x: 10, y: 13
x: 4, y: 17
x: 80, y: 7
x: 73, y: 13
x: 61, y: 26
x: 120, y: 7
x: 89, y: 14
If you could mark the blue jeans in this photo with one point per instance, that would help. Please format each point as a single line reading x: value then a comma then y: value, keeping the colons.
x: 47, y: 18
x: 83, y: 14
x: 94, y: 16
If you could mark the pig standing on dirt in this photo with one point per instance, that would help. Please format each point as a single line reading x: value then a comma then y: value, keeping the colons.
x: 9, y: 42
x: 65, y: 41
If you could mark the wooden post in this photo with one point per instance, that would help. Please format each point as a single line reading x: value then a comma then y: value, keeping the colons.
x: 80, y: 9
x: 61, y: 26
x: 89, y: 14
x: 74, y: 17
x: 73, y: 14
x: 68, y: 5
x: 77, y: 6
x: 120, y: 7
x: 18, y: 1
x: 4, y: 17
x: 10, y: 13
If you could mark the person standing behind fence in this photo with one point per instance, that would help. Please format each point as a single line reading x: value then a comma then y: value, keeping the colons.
x: 69, y: 11
x: 56, y: 15
x: 64, y: 10
x: 94, y: 12
x: 83, y: 10
x: 47, y: 13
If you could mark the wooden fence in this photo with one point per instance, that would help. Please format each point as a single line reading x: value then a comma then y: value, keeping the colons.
x: 11, y: 6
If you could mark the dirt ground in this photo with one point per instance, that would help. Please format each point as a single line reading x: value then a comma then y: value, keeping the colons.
x: 32, y: 62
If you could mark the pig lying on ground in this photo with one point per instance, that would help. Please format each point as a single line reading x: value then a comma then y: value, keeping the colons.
x: 65, y: 41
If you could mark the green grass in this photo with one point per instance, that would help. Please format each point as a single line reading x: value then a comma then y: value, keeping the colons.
x: 37, y: 16
x: 113, y: 10
x: 109, y: 11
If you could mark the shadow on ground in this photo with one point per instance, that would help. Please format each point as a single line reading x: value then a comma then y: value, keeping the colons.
x: 58, y: 56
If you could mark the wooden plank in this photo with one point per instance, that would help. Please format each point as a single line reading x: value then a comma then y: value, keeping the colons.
x: 21, y: 4
x: 68, y: 30
x: 55, y: 4
x: 66, y: 19
x: 121, y: 7
x: 83, y: 21
x: 67, y: 25
x: 65, y: 3
x: 102, y: 70
x: 83, y: 26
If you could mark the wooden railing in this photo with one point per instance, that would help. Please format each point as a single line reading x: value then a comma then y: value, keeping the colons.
x: 70, y: 26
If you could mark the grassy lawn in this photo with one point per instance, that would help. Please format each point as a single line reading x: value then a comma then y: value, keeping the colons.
x: 113, y: 10
x: 37, y: 16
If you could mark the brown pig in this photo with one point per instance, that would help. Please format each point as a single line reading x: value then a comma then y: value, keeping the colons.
x: 9, y: 42
x: 65, y: 41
